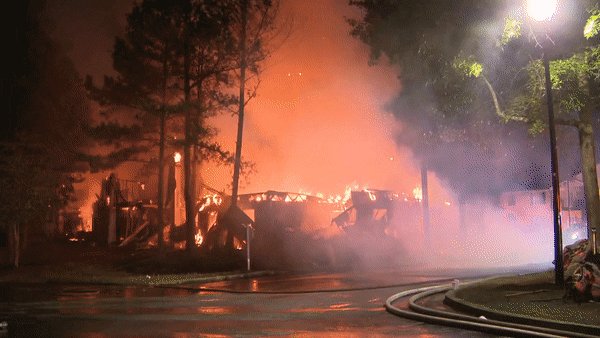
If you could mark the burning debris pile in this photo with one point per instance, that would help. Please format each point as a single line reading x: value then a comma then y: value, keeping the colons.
x: 373, y: 210
x: 297, y: 230
x: 282, y: 229
x: 288, y: 227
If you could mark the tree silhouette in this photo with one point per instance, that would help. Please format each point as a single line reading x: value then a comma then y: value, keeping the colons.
x: 46, y: 112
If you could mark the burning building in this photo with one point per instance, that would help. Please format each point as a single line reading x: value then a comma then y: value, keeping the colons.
x: 283, y: 229
x: 299, y: 230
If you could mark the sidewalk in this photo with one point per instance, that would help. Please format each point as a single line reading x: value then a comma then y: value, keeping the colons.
x: 529, y: 299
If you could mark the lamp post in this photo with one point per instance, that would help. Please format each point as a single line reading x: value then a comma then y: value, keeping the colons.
x: 178, y: 198
x: 542, y: 11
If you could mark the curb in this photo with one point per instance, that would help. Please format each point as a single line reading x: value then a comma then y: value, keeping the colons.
x: 207, y: 279
x: 467, y: 322
x: 162, y: 280
x: 458, y: 303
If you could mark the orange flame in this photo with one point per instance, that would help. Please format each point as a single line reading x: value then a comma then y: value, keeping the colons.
x: 418, y: 194
x: 198, y: 238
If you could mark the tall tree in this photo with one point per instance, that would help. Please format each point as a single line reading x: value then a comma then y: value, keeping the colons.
x: 224, y: 37
x: 255, y: 25
x: 172, y: 62
x: 206, y: 58
x: 145, y: 60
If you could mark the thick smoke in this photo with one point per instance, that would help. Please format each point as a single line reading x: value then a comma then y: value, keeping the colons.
x: 317, y: 123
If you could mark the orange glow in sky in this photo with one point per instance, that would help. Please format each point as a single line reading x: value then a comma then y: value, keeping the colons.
x: 318, y: 122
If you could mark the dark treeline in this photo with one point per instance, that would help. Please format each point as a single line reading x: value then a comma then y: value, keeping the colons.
x: 44, y: 111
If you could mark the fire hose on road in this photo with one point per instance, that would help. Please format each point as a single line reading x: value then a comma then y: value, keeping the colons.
x: 428, y: 315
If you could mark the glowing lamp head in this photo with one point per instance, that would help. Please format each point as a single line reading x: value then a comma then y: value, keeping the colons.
x: 541, y: 10
x: 177, y: 157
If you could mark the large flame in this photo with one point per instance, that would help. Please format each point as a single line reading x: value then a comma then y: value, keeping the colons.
x: 210, y: 199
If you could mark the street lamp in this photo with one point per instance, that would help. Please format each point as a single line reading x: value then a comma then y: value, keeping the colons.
x: 542, y: 11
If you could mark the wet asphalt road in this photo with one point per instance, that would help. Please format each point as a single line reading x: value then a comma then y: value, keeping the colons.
x: 317, y: 305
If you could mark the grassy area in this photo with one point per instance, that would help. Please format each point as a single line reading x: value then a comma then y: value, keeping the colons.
x: 78, y: 262
x: 532, y: 295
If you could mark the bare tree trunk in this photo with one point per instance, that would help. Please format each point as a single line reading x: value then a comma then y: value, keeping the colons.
x: 188, y: 155
x: 112, y: 214
x: 24, y: 239
x: 590, y: 178
x: 190, y: 198
x: 14, y: 246
x: 242, y: 99
x: 160, y: 224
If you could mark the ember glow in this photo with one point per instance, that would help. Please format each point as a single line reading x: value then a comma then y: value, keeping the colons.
x: 199, y: 238
x: 177, y: 157
x: 211, y: 199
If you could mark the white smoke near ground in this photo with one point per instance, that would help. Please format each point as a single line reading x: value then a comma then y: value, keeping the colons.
x: 476, y: 235
x: 486, y: 240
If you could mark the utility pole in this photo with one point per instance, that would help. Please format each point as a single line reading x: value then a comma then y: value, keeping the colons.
x: 558, y: 258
